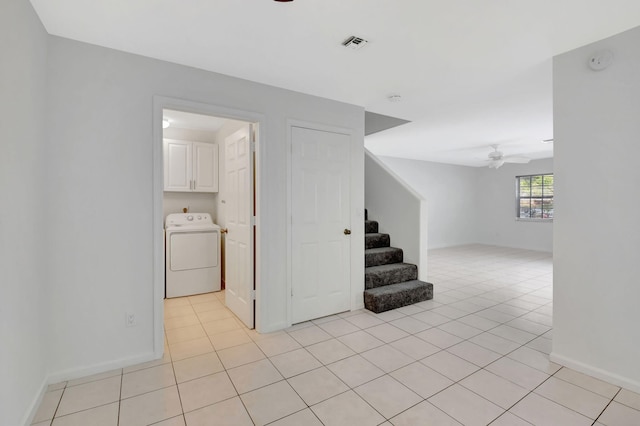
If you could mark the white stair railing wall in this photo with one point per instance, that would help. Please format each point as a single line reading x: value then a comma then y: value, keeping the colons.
x: 400, y: 211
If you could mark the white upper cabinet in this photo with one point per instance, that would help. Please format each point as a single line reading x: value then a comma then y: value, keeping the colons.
x: 178, y: 159
x: 190, y: 166
x: 205, y: 167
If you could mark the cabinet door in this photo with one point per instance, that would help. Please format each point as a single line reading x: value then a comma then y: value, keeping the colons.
x: 205, y: 167
x: 178, y: 174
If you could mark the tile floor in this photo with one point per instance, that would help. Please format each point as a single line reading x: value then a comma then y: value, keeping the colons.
x: 474, y: 355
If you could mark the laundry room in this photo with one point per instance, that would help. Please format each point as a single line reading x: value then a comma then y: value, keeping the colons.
x: 194, y: 195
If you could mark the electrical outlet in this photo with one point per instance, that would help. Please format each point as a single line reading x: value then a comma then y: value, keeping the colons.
x: 130, y: 319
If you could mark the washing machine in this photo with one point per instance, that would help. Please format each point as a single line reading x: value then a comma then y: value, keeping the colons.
x: 192, y: 254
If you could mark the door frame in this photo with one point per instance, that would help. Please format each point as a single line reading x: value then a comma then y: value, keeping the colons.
x: 356, y: 217
x: 159, y: 104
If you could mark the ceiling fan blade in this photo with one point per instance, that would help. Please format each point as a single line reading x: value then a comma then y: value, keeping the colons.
x: 515, y: 159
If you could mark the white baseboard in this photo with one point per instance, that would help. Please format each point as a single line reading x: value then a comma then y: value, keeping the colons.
x: 35, y: 404
x: 598, y: 373
x: 76, y: 373
x: 273, y: 327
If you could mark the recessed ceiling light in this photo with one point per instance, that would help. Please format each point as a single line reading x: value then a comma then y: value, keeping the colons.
x: 547, y: 141
x: 282, y: 1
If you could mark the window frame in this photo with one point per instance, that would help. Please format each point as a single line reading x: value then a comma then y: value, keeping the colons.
x: 518, y: 198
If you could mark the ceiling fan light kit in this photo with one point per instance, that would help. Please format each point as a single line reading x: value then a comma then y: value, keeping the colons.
x: 497, y: 158
x: 494, y: 164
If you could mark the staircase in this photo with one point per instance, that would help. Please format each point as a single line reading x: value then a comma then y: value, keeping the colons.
x: 389, y: 283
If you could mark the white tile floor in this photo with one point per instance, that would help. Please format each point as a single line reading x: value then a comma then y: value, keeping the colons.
x: 474, y: 355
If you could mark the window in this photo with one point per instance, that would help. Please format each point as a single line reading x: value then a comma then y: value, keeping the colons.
x: 534, y: 197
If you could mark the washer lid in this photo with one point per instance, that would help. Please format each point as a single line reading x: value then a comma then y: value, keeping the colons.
x: 189, y: 221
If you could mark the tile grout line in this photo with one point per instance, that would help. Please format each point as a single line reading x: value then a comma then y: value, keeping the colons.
x: 120, y: 398
x: 607, y: 406
x: 533, y: 286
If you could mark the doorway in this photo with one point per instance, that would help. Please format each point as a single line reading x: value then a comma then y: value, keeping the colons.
x: 229, y: 197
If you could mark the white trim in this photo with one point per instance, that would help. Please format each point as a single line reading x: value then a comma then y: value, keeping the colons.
x: 80, y: 372
x: 598, y: 373
x: 159, y: 104
x: 77, y: 373
x: 27, y: 419
x: 354, y: 217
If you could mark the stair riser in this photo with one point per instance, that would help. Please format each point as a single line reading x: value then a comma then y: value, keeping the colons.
x: 386, y: 302
x: 370, y: 226
x: 376, y: 240
x: 390, y: 256
x: 382, y: 278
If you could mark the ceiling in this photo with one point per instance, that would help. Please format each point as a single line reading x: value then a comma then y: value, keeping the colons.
x: 470, y: 73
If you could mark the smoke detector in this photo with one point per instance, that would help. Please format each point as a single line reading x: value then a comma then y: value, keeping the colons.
x: 394, y: 98
x: 601, y: 60
x: 354, y: 42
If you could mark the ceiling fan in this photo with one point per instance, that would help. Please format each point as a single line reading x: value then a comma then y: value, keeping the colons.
x: 497, y: 159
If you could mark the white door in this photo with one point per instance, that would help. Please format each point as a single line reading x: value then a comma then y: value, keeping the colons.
x: 239, y: 238
x: 320, y: 218
x: 177, y: 165
x: 205, y: 167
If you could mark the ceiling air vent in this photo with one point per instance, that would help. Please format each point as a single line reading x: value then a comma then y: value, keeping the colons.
x: 354, y: 43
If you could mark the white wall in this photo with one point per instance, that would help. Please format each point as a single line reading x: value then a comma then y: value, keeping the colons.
x: 451, y: 195
x: 596, y: 235
x: 469, y: 205
x: 100, y: 180
x: 23, y: 216
x: 496, y: 208
x: 174, y: 202
x: 399, y: 210
x: 196, y: 202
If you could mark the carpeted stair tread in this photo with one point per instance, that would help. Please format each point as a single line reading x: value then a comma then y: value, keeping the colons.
x: 381, y: 275
x: 370, y: 226
x: 376, y: 240
x: 394, y: 296
x: 382, y: 256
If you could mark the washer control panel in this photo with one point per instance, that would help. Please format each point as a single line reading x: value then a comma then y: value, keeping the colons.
x: 188, y: 219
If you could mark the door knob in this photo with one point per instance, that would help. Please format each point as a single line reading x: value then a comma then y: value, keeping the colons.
x: 347, y: 232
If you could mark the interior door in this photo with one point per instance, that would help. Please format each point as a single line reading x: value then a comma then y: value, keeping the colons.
x: 320, y: 220
x: 239, y: 238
